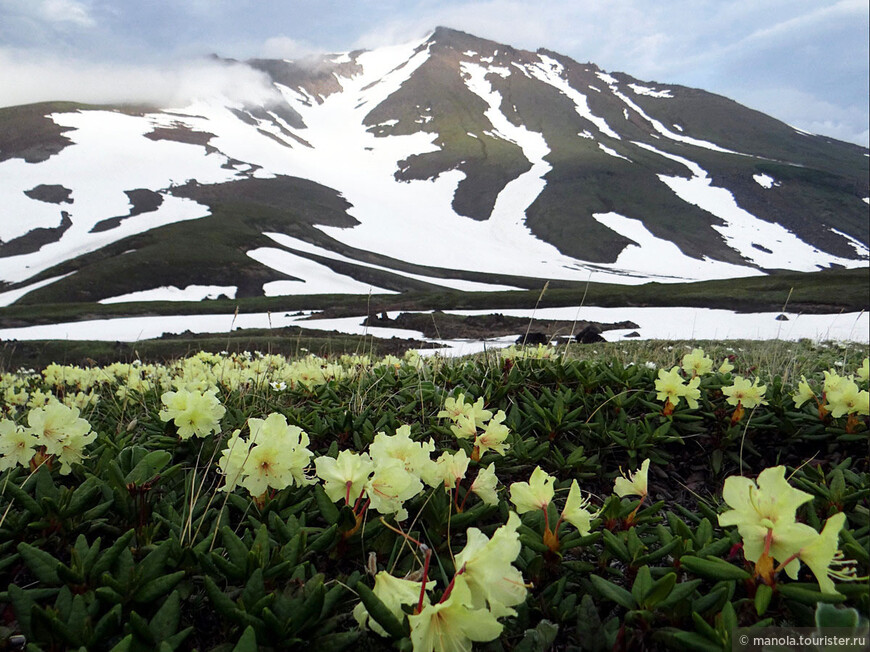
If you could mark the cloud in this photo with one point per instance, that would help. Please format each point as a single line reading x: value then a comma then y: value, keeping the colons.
x: 284, y: 47
x: 66, y: 11
x: 27, y: 80
x: 810, y: 113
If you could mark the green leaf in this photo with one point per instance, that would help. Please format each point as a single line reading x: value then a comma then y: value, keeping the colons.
x: 379, y: 611
x: 148, y: 467
x: 236, y: 548
x: 763, y: 594
x: 590, y: 631
x: 105, y: 561
x: 124, y: 644
x: 642, y: 584
x: 827, y: 615
x: 158, y: 587
x: 247, y: 641
x: 165, y: 621
x: 221, y: 601
x: 616, y: 546
x: 682, y: 640
x: 327, y: 508
x: 713, y: 568
x: 254, y: 589
x: 23, y: 497
x: 659, y: 591
x: 613, y: 592
x: 806, y: 595
x: 703, y: 533
x: 40, y: 563
x: 681, y: 591
x: 83, y: 495
x: 106, y: 626
x: 539, y: 639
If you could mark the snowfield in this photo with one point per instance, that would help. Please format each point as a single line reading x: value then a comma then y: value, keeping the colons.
x: 654, y: 323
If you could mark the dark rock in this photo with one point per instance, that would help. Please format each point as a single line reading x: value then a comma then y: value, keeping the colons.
x: 533, y: 339
x: 632, y: 334
x: 589, y: 335
x: 781, y: 317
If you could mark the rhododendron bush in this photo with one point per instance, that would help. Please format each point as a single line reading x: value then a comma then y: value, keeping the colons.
x: 516, y: 500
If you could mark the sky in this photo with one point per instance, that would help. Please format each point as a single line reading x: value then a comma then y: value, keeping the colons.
x: 802, y: 61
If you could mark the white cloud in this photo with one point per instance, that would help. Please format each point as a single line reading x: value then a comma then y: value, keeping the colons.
x: 810, y: 113
x: 284, y: 47
x: 27, y: 80
x: 66, y: 11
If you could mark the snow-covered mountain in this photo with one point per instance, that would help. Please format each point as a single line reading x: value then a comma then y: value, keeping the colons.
x: 447, y: 163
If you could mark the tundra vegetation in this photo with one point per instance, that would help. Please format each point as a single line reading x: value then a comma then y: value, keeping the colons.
x: 654, y: 497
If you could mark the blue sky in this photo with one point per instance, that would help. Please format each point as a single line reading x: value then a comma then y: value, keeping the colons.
x: 802, y: 61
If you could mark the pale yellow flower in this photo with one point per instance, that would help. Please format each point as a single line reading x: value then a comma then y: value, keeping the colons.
x: 633, y: 485
x: 575, y: 511
x: 484, y: 485
x: 697, y: 363
x: 451, y: 625
x: 534, y: 494
x: 743, y: 392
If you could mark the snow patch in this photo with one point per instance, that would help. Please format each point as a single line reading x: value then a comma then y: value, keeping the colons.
x: 654, y: 323
x: 645, y: 256
x: 11, y: 296
x: 741, y: 228
x: 608, y: 79
x: 612, y: 152
x: 549, y: 71
x: 172, y: 293
x: 651, y: 92
x: 765, y: 181
x: 456, y: 284
x: 860, y: 248
x: 585, y: 134
x: 314, y: 278
x: 110, y: 154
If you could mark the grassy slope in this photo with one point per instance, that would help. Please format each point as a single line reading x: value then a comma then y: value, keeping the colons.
x: 819, y: 292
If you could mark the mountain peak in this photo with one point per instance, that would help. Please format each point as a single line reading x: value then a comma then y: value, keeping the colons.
x: 458, y: 164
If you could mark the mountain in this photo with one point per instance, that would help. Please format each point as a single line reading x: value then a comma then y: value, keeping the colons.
x: 451, y: 163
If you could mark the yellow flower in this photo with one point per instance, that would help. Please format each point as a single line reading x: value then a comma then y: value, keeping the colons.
x: 534, y: 494
x: 575, y: 511
x: 669, y: 386
x: 697, y: 363
x: 455, y: 407
x: 54, y: 423
x: 451, y: 468
x: 846, y: 399
x: 393, y: 592
x: 633, y: 485
x: 803, y: 394
x: 744, y: 393
x: 493, y: 436
x: 484, y: 485
x: 17, y: 445
x: 414, y: 455
x: 490, y: 577
x: 765, y: 509
x: 726, y: 367
x: 864, y: 370
x: 390, y: 486
x: 821, y: 555
x: 193, y: 412
x: 451, y: 625
x: 344, y: 477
